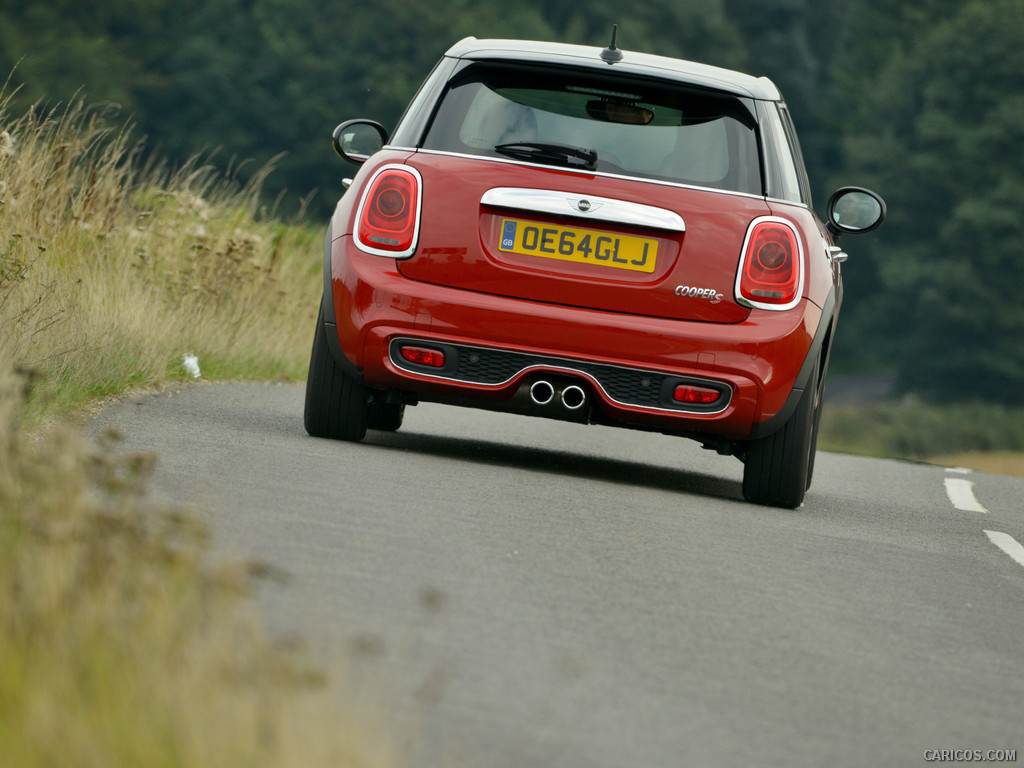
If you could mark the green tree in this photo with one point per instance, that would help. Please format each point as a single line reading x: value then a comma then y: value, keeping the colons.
x: 796, y: 43
x: 690, y: 29
x: 253, y: 80
x: 57, y: 49
x: 246, y: 81
x: 939, y: 135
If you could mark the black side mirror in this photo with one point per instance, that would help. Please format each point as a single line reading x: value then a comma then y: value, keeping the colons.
x: 854, y: 210
x: 356, y: 140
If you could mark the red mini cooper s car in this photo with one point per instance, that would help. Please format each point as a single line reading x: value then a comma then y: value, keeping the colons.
x: 600, y: 236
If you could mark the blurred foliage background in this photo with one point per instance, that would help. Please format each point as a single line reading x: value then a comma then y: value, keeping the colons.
x: 922, y: 101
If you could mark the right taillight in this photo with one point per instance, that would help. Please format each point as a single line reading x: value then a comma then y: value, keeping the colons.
x: 387, y: 223
x: 771, y: 266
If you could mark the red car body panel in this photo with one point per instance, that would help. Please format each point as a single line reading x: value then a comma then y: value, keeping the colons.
x: 453, y: 213
x: 427, y: 298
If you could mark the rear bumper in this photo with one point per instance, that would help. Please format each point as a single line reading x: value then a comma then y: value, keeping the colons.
x: 756, y: 361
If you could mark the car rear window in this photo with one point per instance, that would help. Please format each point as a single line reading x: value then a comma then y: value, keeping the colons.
x: 648, y: 128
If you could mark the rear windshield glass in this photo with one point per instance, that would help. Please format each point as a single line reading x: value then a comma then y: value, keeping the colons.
x: 647, y: 128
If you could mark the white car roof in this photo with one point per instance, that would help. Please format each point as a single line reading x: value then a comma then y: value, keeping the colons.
x: 632, y: 62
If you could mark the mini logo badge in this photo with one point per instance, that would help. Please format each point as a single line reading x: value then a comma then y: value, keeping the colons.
x: 583, y: 205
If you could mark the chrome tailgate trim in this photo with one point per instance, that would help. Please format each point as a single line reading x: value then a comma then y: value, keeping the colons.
x: 586, y: 207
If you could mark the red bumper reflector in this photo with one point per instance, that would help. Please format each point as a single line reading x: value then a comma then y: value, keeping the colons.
x: 423, y: 356
x: 694, y: 395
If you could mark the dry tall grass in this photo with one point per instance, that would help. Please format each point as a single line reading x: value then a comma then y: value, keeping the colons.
x: 110, y: 271
x: 119, y: 644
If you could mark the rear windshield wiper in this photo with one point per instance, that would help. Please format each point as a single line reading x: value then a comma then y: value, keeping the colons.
x: 547, y: 152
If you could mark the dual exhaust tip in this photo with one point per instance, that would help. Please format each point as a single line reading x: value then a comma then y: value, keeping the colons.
x: 573, y: 397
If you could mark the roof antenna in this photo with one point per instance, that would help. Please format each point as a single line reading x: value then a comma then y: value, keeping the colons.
x: 611, y: 54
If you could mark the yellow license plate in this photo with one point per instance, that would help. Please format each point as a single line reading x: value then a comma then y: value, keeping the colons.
x: 584, y: 246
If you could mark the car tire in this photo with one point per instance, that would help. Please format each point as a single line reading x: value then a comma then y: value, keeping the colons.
x: 336, y: 402
x: 777, y: 468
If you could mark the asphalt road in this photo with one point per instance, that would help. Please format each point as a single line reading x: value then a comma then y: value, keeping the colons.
x: 520, y: 592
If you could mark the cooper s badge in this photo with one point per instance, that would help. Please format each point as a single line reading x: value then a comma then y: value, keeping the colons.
x: 707, y: 294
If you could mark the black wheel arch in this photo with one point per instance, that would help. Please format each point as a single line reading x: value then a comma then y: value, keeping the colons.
x: 329, y: 319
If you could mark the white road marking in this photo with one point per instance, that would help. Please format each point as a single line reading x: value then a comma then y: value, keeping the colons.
x: 961, y: 493
x: 1008, y: 544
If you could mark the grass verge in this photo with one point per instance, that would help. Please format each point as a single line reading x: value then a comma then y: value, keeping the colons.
x: 996, y: 462
x: 983, y: 436
x: 110, y: 271
x: 120, y: 644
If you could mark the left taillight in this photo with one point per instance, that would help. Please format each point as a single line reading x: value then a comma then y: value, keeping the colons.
x: 388, y: 220
x: 771, y: 267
